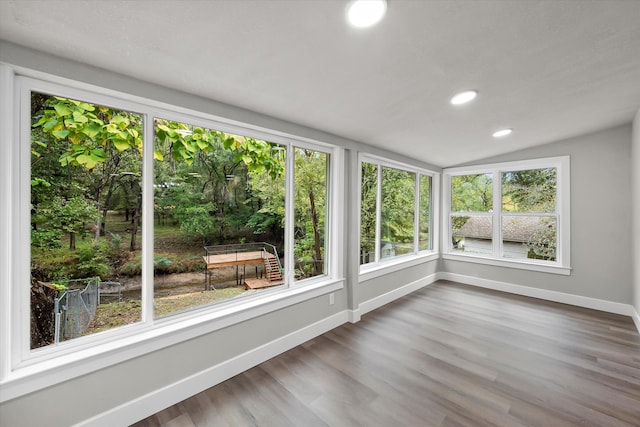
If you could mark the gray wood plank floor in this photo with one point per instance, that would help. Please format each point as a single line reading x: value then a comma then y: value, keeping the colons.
x: 446, y: 355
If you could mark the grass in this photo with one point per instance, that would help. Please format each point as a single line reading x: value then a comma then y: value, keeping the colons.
x: 115, y: 314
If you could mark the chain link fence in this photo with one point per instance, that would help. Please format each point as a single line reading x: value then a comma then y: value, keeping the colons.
x: 76, y: 308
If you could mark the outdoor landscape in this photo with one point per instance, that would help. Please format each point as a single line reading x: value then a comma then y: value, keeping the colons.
x: 211, y: 190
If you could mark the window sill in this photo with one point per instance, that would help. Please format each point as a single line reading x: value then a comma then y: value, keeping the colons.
x: 522, y: 265
x: 371, y: 271
x: 137, y: 340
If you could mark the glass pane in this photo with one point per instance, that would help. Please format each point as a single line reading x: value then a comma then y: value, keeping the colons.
x: 533, y: 237
x: 424, y: 242
x: 472, y: 234
x: 397, y: 211
x: 529, y: 190
x: 86, y: 168
x: 219, y: 216
x: 472, y: 193
x: 310, y: 205
x: 368, y: 212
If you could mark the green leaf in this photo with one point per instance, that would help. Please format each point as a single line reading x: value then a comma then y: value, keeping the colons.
x: 120, y: 144
x: 87, y: 161
x: 60, y: 134
x: 50, y: 124
x: 99, y: 154
x: 157, y: 155
x: 62, y: 110
x: 78, y: 117
x: 91, y: 130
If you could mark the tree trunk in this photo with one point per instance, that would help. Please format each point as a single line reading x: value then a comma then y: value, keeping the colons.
x: 105, y: 208
x: 316, y: 233
x: 136, y: 222
x: 42, y: 314
x: 97, y: 234
x: 72, y: 241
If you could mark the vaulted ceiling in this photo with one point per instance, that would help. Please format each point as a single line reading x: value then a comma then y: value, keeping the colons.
x: 548, y: 69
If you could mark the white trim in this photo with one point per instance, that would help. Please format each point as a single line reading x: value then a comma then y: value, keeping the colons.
x: 7, y: 134
x: 561, y: 297
x: 636, y: 318
x: 377, y: 302
x: 355, y: 315
x: 147, y: 405
x: 509, y: 263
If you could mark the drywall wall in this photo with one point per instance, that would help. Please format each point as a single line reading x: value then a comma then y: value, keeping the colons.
x: 635, y: 185
x: 601, y: 242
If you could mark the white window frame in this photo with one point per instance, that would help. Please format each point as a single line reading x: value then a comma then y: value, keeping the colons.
x: 562, y: 265
x: 387, y: 265
x: 23, y: 370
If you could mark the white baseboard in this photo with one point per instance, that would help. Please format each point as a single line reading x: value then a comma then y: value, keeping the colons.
x: 158, y: 400
x: 393, y: 295
x: 577, y: 300
x: 636, y: 318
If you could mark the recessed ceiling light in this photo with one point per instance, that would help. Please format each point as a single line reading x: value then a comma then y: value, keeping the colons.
x: 502, y: 132
x: 464, y: 97
x: 365, y: 13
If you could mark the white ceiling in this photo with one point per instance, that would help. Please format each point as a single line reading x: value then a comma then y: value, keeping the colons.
x: 549, y: 69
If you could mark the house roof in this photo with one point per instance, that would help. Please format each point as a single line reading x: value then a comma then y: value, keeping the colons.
x: 514, y: 228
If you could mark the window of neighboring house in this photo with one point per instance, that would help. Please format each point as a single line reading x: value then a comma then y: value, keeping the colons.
x: 136, y: 214
x: 516, y: 212
x: 395, y: 211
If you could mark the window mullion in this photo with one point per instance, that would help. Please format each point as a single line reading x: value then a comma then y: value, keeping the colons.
x: 416, y: 215
x: 378, y: 214
x: 497, y: 214
x: 289, y: 221
x: 21, y: 329
x: 147, y: 219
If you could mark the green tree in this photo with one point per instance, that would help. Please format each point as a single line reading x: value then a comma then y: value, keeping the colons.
x: 67, y: 216
x: 472, y: 193
x: 531, y: 190
x: 310, y: 183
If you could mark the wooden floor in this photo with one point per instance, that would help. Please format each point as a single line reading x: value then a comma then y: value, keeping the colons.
x: 447, y: 355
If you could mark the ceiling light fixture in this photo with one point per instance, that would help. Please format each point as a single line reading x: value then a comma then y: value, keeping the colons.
x: 365, y: 13
x: 502, y: 133
x: 464, y: 97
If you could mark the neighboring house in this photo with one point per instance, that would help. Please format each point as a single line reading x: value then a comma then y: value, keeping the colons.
x: 517, y: 233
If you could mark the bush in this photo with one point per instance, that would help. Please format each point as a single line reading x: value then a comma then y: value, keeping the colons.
x: 46, y: 239
x: 93, y: 261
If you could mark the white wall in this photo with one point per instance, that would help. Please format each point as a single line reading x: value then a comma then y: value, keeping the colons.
x: 601, y: 220
x: 635, y: 184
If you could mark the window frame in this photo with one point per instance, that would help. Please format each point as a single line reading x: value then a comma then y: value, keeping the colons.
x: 372, y: 269
x: 562, y: 213
x: 23, y: 369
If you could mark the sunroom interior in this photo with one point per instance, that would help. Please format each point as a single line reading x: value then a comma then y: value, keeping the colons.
x: 380, y: 185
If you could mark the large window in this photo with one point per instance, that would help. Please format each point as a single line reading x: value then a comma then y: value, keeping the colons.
x: 508, y: 213
x: 137, y: 214
x: 395, y: 211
